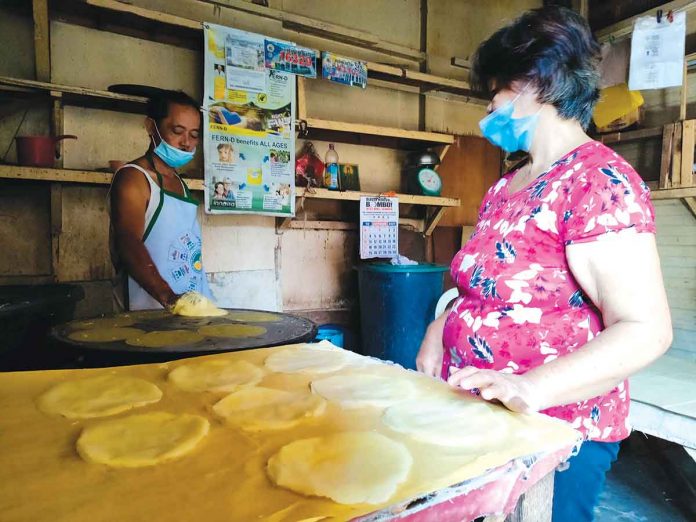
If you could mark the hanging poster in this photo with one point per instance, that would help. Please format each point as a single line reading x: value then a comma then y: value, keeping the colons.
x: 657, y: 52
x: 343, y: 70
x: 285, y: 57
x: 379, y: 227
x: 249, y: 134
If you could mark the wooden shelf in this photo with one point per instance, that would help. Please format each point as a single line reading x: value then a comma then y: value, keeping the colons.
x: 354, y: 195
x: 425, y: 82
x: 359, y: 133
x: 104, y: 178
x: 72, y: 95
x: 634, y: 135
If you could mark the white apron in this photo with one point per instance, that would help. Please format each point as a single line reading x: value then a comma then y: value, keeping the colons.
x: 172, y: 237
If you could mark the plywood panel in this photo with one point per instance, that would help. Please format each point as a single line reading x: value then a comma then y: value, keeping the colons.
x: 373, y: 106
x: 453, y: 117
x: 470, y: 167
x: 256, y: 289
x: 456, y: 28
x: 235, y: 243
x: 396, y: 21
x: 17, y: 60
x: 24, y: 229
x: 92, y: 58
x: 84, y: 239
x: 317, y: 269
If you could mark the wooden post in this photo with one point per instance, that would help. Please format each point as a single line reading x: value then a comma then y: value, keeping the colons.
x: 42, y: 46
x: 687, y: 150
x: 666, y: 159
x: 301, y: 98
x: 682, y: 104
x: 677, y: 155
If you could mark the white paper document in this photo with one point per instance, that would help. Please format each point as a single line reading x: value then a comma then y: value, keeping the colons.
x: 657, y: 52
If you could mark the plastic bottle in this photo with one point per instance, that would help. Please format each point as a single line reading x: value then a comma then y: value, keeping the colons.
x: 331, y: 166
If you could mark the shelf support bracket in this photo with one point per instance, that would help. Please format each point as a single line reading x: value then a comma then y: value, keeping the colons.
x: 431, y: 223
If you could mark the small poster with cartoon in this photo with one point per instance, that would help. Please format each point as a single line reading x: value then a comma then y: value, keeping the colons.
x: 249, y: 134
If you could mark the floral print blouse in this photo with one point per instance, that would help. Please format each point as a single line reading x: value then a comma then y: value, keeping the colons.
x: 519, y: 305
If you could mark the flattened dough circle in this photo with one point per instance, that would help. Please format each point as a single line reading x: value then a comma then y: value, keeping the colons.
x: 449, y: 421
x: 98, y: 396
x: 257, y: 409
x: 216, y: 375
x: 117, y: 321
x: 349, y: 468
x: 165, y: 338
x: 105, y: 335
x: 359, y: 389
x: 253, y: 317
x: 312, y: 359
x: 231, y: 330
x: 141, y: 440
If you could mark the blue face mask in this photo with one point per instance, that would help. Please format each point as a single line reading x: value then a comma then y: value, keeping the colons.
x: 172, y: 156
x: 508, y: 133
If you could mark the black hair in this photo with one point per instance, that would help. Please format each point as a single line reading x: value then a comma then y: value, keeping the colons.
x: 158, y: 104
x: 554, y: 50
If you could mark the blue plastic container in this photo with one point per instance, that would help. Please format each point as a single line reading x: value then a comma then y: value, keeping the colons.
x: 332, y: 333
x: 397, y: 303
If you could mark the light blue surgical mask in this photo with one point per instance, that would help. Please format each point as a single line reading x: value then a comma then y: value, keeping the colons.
x: 172, y: 156
x: 508, y: 133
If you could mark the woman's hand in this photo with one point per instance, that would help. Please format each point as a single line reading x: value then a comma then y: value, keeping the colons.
x: 514, y: 391
x: 429, y: 358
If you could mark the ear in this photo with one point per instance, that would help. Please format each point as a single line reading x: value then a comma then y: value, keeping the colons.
x: 150, y: 126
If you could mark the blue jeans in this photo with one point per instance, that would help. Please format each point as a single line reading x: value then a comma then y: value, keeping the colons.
x: 576, y: 490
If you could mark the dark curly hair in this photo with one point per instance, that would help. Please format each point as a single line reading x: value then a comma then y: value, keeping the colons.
x: 553, y: 49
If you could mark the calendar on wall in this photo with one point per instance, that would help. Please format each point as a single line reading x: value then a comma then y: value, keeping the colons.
x: 379, y: 227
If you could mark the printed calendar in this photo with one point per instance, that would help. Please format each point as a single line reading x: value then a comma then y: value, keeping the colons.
x: 379, y: 227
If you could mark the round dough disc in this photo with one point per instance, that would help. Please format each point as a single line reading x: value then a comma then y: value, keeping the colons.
x: 358, y: 390
x: 257, y: 409
x: 98, y: 396
x: 117, y: 321
x: 105, y: 335
x: 312, y: 359
x: 231, y: 330
x: 253, y: 317
x: 165, y: 338
x: 216, y: 375
x: 349, y: 468
x: 448, y: 421
x: 141, y: 440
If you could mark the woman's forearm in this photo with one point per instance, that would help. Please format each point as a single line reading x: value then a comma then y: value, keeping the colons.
x: 618, y: 352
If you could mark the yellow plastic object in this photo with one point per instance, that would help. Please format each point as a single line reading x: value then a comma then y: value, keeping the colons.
x: 615, y: 102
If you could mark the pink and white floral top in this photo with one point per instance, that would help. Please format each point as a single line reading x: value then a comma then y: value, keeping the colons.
x: 519, y: 305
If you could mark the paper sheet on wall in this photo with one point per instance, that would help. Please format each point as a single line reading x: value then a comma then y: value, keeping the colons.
x: 249, y: 127
x: 379, y: 227
x: 657, y: 52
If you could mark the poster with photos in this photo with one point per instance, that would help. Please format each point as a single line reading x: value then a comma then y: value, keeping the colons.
x: 249, y: 127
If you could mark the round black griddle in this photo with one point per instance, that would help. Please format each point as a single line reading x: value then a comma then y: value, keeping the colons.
x: 287, y: 329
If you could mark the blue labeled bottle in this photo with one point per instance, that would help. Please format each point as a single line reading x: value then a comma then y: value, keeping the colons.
x: 331, y: 169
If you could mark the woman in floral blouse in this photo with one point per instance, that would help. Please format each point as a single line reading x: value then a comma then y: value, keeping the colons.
x: 564, y: 249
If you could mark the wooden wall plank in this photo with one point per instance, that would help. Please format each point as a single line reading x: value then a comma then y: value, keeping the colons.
x: 470, y: 167
x: 42, y: 45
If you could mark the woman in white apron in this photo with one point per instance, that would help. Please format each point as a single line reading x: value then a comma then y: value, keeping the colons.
x: 155, y: 233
